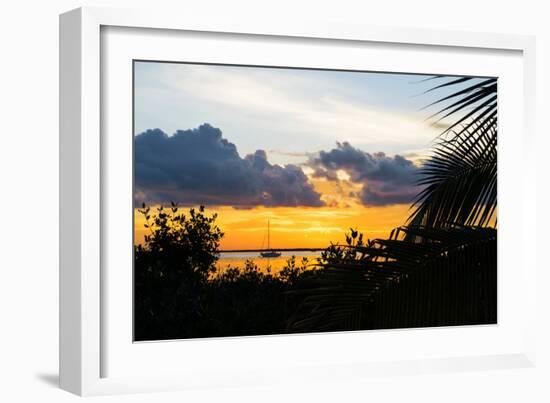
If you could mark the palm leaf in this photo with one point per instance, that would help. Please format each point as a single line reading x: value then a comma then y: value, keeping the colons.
x: 399, y: 283
x: 481, y: 97
x: 440, y: 269
x: 459, y: 182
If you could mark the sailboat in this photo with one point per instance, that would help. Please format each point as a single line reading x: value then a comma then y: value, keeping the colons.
x: 270, y: 252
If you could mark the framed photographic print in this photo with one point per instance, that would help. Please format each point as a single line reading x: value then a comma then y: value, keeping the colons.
x: 252, y: 202
x: 283, y: 222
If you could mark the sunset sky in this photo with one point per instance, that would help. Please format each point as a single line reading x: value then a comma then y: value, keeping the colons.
x: 317, y: 152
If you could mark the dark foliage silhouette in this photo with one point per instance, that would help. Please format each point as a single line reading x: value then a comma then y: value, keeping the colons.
x: 179, y: 293
x: 177, y: 256
x: 475, y: 105
x: 460, y: 180
x: 437, y: 277
x: 440, y: 269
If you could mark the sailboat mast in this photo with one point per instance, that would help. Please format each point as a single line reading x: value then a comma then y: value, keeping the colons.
x: 269, y: 253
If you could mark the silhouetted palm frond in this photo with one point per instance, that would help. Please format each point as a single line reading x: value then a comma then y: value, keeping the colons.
x: 474, y: 105
x: 430, y: 272
x: 459, y: 182
x: 421, y: 276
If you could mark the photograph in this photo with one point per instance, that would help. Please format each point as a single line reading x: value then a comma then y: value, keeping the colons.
x: 270, y: 200
x: 255, y: 202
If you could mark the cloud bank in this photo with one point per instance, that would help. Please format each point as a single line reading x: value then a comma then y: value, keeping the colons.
x: 199, y: 166
x: 386, y: 180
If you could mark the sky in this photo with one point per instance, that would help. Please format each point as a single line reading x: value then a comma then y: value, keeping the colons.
x: 316, y: 152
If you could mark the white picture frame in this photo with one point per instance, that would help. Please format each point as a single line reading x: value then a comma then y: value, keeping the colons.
x: 86, y: 345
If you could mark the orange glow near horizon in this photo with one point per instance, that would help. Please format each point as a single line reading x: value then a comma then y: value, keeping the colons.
x: 301, y: 227
x: 297, y: 227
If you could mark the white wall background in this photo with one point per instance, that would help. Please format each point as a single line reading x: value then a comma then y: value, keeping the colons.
x: 29, y: 187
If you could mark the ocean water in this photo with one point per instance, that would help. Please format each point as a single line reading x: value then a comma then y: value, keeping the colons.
x: 274, y: 264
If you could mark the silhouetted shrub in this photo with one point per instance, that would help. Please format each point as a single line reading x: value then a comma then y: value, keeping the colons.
x: 338, y: 253
x: 171, y: 268
x: 179, y: 293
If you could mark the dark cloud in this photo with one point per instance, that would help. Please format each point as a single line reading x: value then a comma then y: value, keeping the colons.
x: 386, y: 180
x: 199, y: 166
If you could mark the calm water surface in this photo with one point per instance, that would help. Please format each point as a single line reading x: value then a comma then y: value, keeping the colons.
x: 276, y: 264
